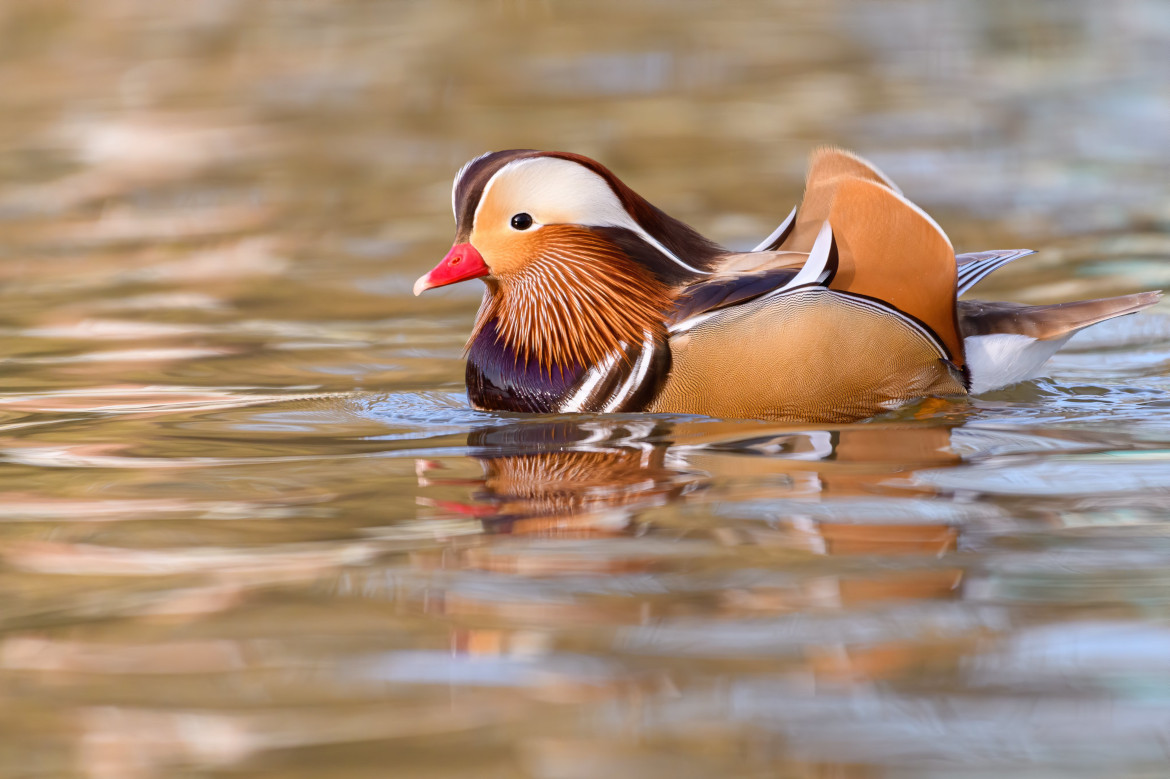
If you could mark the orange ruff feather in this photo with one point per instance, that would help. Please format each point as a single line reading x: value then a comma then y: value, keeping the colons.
x: 577, y: 299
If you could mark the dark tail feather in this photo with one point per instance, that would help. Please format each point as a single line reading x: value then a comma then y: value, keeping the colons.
x: 1046, y: 322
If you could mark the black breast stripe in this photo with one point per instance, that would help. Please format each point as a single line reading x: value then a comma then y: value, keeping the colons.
x: 623, y: 382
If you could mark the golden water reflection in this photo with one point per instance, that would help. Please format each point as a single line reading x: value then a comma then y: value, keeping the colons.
x: 573, y: 487
x: 627, y: 593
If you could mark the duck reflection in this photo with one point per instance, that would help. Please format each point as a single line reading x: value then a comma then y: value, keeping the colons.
x: 758, y: 506
x: 600, y: 473
x: 837, y: 481
x: 566, y: 476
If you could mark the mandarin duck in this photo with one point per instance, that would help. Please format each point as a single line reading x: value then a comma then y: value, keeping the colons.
x: 597, y: 301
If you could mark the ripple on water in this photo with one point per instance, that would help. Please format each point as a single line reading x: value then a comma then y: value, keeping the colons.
x: 1056, y: 476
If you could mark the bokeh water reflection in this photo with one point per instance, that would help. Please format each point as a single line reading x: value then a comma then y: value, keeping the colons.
x: 249, y: 526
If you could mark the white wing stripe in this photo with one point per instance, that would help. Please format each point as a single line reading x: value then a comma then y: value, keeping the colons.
x: 779, y: 231
x: 814, y: 270
x: 687, y: 324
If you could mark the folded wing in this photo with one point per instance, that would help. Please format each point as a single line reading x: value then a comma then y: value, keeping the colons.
x: 891, y: 252
x: 884, y: 248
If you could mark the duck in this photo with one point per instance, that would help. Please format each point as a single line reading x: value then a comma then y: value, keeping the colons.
x: 596, y: 301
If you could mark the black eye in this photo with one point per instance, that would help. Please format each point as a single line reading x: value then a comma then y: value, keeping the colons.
x: 521, y: 222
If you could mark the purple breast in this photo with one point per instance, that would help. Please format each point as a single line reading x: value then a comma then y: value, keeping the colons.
x: 500, y: 380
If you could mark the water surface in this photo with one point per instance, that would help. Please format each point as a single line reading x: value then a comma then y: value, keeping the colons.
x: 249, y: 526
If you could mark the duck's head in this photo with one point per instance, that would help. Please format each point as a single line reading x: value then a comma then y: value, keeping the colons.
x: 579, y: 261
x: 516, y: 207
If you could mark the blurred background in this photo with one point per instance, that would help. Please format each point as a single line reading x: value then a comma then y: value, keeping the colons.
x: 250, y: 528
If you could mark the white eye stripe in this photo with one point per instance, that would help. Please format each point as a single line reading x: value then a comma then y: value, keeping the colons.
x: 559, y: 191
x: 779, y: 231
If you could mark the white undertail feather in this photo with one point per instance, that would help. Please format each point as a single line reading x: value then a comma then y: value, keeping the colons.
x: 1001, y: 359
x: 997, y: 359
